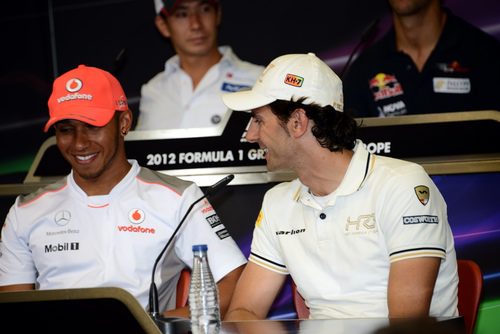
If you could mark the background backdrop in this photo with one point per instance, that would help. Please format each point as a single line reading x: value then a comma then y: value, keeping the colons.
x: 43, y: 39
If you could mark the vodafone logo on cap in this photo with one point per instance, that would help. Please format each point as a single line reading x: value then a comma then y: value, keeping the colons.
x: 74, y: 85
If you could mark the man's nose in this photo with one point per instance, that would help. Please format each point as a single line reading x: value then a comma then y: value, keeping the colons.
x: 252, y: 135
x: 194, y: 20
x: 81, y: 138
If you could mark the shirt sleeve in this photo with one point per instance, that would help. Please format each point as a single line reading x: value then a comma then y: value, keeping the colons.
x: 203, y: 226
x: 413, y: 216
x: 146, y: 107
x: 16, y: 262
x: 265, y: 249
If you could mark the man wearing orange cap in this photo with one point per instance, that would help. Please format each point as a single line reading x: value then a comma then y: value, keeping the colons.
x: 187, y: 94
x: 106, y: 222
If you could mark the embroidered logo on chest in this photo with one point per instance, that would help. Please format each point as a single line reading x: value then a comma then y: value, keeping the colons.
x: 361, y: 224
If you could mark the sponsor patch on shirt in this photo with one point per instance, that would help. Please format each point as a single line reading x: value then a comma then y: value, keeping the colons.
x: 423, y: 219
x: 62, y: 247
x: 291, y: 232
x: 223, y: 234
x: 213, y: 220
x: 259, y: 219
x: 384, y: 86
x: 230, y: 87
x: 393, y: 109
x: 452, y: 67
x: 423, y: 194
x: 361, y: 224
x: 451, y: 85
x: 136, y: 216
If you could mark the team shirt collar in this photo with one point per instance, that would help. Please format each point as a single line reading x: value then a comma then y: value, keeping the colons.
x: 104, y: 200
x: 228, y: 58
x: 359, y: 169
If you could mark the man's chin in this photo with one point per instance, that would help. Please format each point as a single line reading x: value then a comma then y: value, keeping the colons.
x: 87, y: 175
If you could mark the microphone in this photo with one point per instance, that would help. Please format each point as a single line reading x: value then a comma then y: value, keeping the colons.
x: 119, y: 62
x: 218, y: 186
x: 367, y: 33
x: 153, y: 292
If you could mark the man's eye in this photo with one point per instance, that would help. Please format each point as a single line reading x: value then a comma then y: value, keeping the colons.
x: 63, y: 129
x: 180, y: 14
x: 206, y: 8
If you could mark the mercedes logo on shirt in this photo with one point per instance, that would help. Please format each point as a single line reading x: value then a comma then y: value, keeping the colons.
x: 62, y: 217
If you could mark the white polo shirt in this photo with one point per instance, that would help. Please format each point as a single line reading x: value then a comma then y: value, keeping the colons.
x: 58, y: 237
x: 168, y: 100
x: 339, y: 255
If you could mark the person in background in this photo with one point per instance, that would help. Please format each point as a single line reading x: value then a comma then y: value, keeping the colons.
x: 362, y: 235
x: 430, y: 61
x: 187, y: 94
x: 105, y: 223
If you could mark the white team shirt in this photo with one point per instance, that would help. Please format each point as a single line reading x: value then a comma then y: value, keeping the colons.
x: 339, y: 255
x: 58, y: 237
x: 168, y: 100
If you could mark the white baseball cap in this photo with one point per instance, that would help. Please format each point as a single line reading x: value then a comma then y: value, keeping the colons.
x: 291, y: 76
x: 168, y: 6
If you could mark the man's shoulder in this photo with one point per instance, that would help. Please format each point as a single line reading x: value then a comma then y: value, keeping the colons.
x: 284, y: 191
x: 251, y: 68
x: 465, y: 30
x: 374, y: 55
x: 152, y: 177
x: 156, y: 80
x: 239, y: 64
x: 170, y: 66
x: 41, y: 194
x: 397, y: 170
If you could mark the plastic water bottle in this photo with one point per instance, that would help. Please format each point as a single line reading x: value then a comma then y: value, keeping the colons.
x: 203, y: 295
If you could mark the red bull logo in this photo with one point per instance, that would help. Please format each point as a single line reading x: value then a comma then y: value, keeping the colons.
x: 384, y: 86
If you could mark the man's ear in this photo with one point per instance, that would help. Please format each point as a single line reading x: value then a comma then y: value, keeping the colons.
x: 298, y: 123
x: 125, y: 121
x: 162, y: 26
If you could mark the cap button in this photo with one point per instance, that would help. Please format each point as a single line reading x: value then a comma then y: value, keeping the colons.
x: 312, y: 54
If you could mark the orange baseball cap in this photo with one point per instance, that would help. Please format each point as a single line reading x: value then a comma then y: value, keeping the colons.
x: 87, y: 94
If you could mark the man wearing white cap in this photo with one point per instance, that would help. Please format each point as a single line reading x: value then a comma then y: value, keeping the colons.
x: 361, y: 235
x: 106, y: 222
x: 187, y: 94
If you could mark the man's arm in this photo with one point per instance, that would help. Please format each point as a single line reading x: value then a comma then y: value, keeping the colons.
x: 411, y: 284
x: 255, y: 293
x: 226, y: 288
x: 18, y: 287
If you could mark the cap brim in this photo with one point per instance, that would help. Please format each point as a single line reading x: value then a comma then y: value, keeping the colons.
x: 246, y: 100
x: 93, y: 116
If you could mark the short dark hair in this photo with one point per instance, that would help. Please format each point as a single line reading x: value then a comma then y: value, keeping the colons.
x: 333, y: 129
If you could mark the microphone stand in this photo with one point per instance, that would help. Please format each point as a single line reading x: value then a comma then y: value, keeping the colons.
x: 153, y: 296
x: 153, y: 291
x: 364, y: 37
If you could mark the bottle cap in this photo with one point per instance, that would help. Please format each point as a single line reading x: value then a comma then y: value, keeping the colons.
x: 199, y: 248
